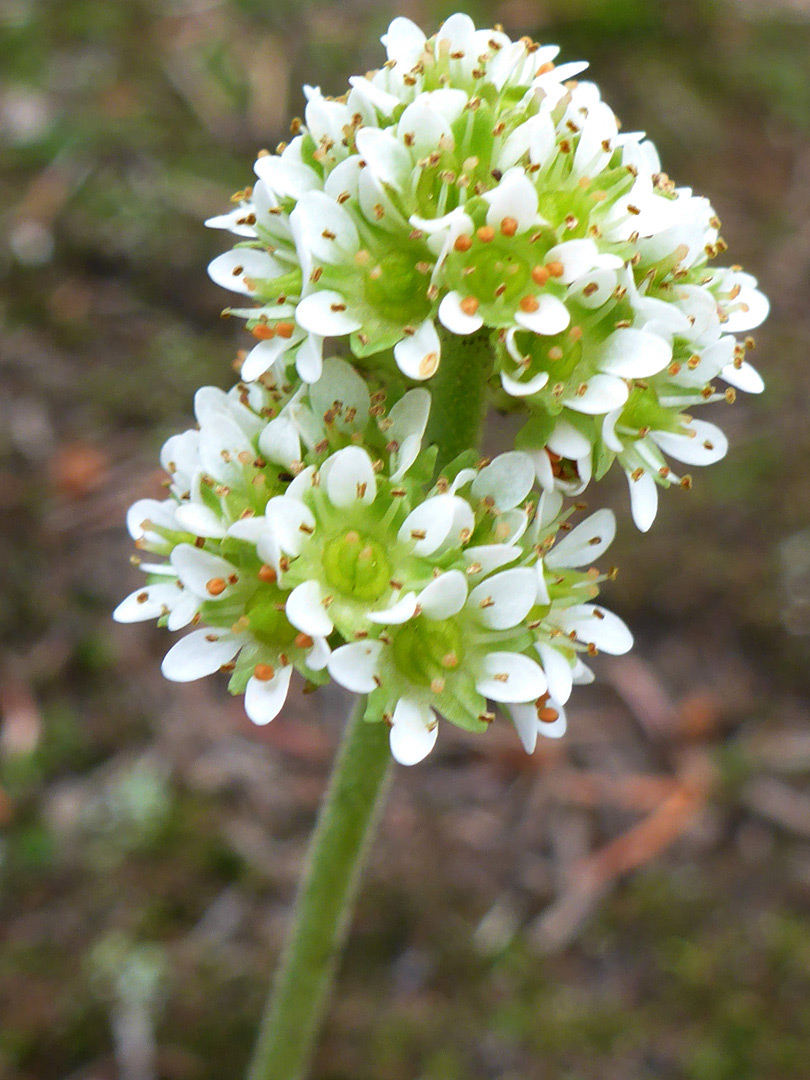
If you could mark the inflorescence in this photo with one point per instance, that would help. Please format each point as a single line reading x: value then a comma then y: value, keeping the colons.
x: 468, y: 187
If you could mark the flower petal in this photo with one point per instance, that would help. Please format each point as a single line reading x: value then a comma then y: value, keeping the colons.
x: 643, y: 499
x: 445, y: 596
x: 414, y: 730
x: 305, y: 610
x: 595, y: 625
x: 398, y: 613
x: 350, y: 477
x: 429, y: 524
x: 584, y: 544
x: 634, y: 354
x: 198, y: 569
x: 200, y: 520
x: 325, y: 313
x: 240, y: 269
x: 409, y: 419
x: 149, y: 602
x: 702, y: 443
x: 510, y: 677
x: 507, y: 480
x: 558, y: 669
x: 745, y: 377
x: 489, y: 557
x: 355, y: 666
x: 264, y: 698
x: 551, y: 316
x: 385, y: 156
x: 516, y: 388
x: 201, y: 653
x: 602, y: 394
x: 455, y: 319
x: 418, y: 356
x: 515, y: 196
x: 504, y: 600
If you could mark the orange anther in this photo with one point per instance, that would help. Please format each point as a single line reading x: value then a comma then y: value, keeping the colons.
x: 509, y: 226
x: 264, y: 672
x: 485, y: 234
x: 304, y: 641
x: 263, y: 332
x: 540, y: 275
x: 216, y: 586
x: 529, y: 304
x: 547, y: 716
x: 463, y: 242
x: 469, y: 305
x: 556, y: 269
x: 285, y: 329
x: 267, y: 574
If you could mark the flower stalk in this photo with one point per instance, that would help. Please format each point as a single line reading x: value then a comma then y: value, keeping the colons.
x: 338, y: 848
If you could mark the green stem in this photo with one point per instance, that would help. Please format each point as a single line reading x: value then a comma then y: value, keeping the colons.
x: 325, y: 899
x: 345, y: 826
x: 458, y: 394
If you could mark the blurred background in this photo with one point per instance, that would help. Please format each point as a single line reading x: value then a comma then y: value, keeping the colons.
x: 632, y: 903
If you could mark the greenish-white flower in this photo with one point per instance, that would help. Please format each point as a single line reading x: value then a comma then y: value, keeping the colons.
x: 471, y: 186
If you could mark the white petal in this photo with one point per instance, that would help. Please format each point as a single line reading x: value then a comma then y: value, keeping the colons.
x: 146, y: 512
x: 559, y: 671
x: 340, y: 387
x: 445, y: 596
x: 386, y: 157
x: 504, y: 600
x: 404, y: 42
x: 643, y: 499
x: 344, y: 179
x: 201, y: 520
x: 240, y: 269
x: 594, y: 289
x: 535, y: 137
x: 424, y: 126
x: 409, y: 419
x: 286, y: 515
x: 354, y: 666
x: 434, y: 517
x: 595, y: 625
x: 634, y: 354
x: 413, y: 732
x: 264, y: 698
x: 263, y: 355
x: 516, y: 197
x: 568, y: 441
x: 398, y: 613
x: 234, y: 221
x: 508, y: 676
x: 745, y: 377
x: 490, y: 557
x: 372, y: 97
x: 551, y: 316
x: 279, y: 441
x: 705, y: 447
x: 456, y: 320
x: 318, y: 655
x: 752, y: 310
x: 196, y: 568
x: 325, y: 313
x: 603, y: 393
x: 577, y: 258
x: 149, y: 602
x: 305, y: 610
x: 350, y: 477
x: 183, y: 611
x: 286, y: 177
x: 201, y: 653
x: 516, y: 388
x: 524, y: 717
x: 586, y: 543
x: 309, y: 358
x: 418, y: 356
x: 507, y: 480
x: 325, y: 228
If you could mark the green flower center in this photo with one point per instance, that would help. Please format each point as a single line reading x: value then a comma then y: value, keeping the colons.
x: 499, y: 274
x: 394, y: 288
x: 425, y: 651
x: 267, y: 620
x: 356, y: 565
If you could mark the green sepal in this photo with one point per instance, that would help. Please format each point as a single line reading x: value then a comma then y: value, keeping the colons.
x: 535, y: 432
x: 463, y: 705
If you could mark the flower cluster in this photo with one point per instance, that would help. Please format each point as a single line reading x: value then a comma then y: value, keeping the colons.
x: 469, y: 190
x: 289, y: 545
x: 472, y: 186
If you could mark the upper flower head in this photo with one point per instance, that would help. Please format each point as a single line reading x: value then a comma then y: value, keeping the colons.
x: 472, y: 186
